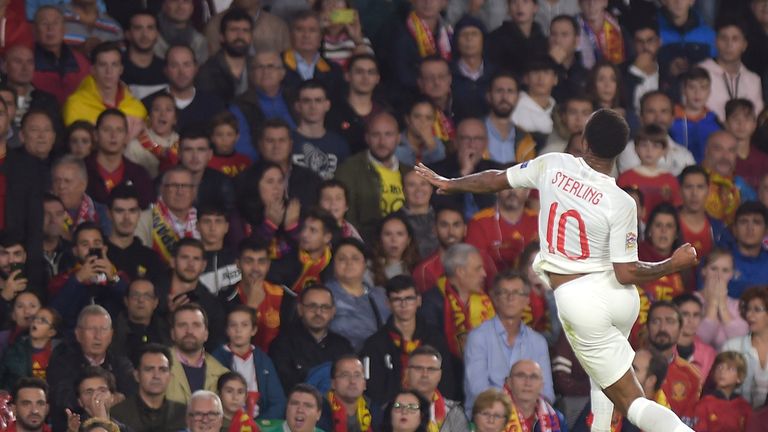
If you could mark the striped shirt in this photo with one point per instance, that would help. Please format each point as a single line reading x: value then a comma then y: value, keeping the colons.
x: 76, y: 32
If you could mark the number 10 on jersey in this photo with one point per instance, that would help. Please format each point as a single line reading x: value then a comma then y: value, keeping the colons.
x: 562, y: 220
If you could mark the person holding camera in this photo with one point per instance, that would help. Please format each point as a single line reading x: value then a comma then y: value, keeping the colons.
x: 94, y: 279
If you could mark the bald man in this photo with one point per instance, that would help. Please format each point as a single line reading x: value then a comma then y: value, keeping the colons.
x: 374, y: 177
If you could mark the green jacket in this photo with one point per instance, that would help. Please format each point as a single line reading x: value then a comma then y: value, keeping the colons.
x: 276, y: 426
x: 364, y: 186
x: 17, y: 362
x: 178, y: 389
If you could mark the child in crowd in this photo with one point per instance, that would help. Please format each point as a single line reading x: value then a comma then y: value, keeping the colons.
x: 257, y: 369
x: 741, y: 121
x: 225, y: 132
x: 235, y: 403
x: 157, y: 147
x: 656, y: 185
x: 332, y: 197
x: 29, y: 355
x: 723, y: 410
x: 24, y: 307
x: 533, y: 112
x: 693, y: 121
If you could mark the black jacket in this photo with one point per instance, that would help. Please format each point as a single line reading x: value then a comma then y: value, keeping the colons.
x: 449, y: 167
x: 64, y: 367
x: 386, y: 368
x: 128, y: 338
x: 136, y: 260
x: 511, y: 50
x: 134, y: 413
x: 295, y: 351
x: 214, y: 76
x: 302, y: 184
x: 215, y: 189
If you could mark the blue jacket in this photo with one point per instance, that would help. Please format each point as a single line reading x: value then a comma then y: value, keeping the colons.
x: 695, y: 40
x: 693, y: 133
x: 272, y: 400
x: 748, y: 272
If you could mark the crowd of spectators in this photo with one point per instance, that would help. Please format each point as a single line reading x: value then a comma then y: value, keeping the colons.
x: 209, y: 218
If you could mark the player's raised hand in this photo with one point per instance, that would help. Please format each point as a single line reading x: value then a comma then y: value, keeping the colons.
x: 441, y: 183
x: 684, y: 257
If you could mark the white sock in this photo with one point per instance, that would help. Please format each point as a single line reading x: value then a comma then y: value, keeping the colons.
x: 602, y: 409
x: 652, y: 417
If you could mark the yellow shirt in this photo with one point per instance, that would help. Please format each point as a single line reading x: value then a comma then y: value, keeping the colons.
x: 392, y: 196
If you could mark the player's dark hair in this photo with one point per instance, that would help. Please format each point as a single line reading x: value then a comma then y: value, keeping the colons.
x: 606, y: 133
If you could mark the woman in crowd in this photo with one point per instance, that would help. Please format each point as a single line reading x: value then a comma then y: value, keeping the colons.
x: 79, y: 138
x: 491, y: 411
x: 605, y: 88
x: 419, y: 212
x: 408, y: 412
x: 662, y: 237
x: 395, y: 251
x: 232, y: 390
x: 754, y: 345
x: 342, y: 33
x: 721, y: 319
x: 418, y: 142
x: 361, y: 308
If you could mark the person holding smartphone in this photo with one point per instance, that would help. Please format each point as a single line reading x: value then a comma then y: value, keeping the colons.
x: 13, y: 280
x: 94, y: 279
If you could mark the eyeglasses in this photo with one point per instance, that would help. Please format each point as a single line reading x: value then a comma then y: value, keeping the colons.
x: 424, y: 369
x: 199, y: 416
x: 403, y: 407
x: 755, y: 309
x: 179, y: 186
x: 491, y: 417
x: 314, y: 307
x: 408, y: 300
x: 41, y: 320
x: 350, y: 376
x: 524, y: 376
x: 509, y: 295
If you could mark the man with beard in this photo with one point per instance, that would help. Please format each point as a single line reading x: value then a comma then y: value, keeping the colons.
x: 193, y: 368
x: 682, y: 385
x: 183, y: 287
x: 505, y: 142
x: 451, y: 228
x: 726, y: 189
x: 142, y: 69
x: 149, y: 410
x: 30, y: 405
x: 226, y: 72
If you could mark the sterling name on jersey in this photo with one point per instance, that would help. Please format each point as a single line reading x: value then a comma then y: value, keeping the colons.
x: 586, y: 222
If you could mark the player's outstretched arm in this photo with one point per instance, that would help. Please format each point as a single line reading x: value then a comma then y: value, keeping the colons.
x: 641, y: 272
x: 489, y: 181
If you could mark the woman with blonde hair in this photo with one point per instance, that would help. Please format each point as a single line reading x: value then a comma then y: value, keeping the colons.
x: 491, y: 411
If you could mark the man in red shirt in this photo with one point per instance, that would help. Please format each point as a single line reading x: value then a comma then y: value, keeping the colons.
x: 451, y: 228
x: 30, y: 404
x: 503, y: 231
x: 682, y: 385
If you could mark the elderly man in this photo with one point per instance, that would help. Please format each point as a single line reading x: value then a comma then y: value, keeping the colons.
x: 193, y: 367
x: 304, y: 60
x: 93, y: 338
x: 423, y: 375
x: 172, y: 217
x: 19, y: 67
x: 270, y: 32
x: 204, y: 412
x: 103, y: 89
x: 374, y: 178
x: 149, y: 410
x: 503, y: 340
x: 59, y: 69
x: 524, y: 386
x: 462, y: 290
x: 30, y: 406
x: 344, y: 407
x: 726, y: 189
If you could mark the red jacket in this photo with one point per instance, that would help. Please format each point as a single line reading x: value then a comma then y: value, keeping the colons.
x: 716, y: 414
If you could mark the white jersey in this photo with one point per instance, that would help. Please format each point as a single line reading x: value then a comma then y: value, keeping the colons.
x: 586, y: 222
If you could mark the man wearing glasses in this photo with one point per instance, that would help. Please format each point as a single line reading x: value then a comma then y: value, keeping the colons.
x: 423, y: 374
x: 308, y: 342
x: 140, y: 324
x: 344, y: 407
x: 387, y: 350
x: 204, y: 412
x: 524, y: 385
x: 503, y: 340
x: 172, y: 217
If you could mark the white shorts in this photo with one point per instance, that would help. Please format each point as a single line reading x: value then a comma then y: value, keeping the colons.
x: 597, y: 313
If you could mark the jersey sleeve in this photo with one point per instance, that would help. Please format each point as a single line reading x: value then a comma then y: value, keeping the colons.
x: 528, y: 173
x: 623, y: 231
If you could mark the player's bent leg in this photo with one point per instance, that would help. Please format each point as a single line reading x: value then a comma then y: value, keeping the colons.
x: 646, y: 414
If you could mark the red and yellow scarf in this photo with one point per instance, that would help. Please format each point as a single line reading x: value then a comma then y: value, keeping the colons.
x: 438, y: 402
x: 443, y: 127
x: 406, y: 348
x: 723, y: 198
x: 545, y: 414
x: 311, y: 269
x: 607, y: 42
x: 425, y: 40
x: 164, y: 234
x: 459, y: 318
x: 85, y: 213
x: 289, y: 58
x: 167, y: 156
x: 242, y: 422
x: 339, y: 414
